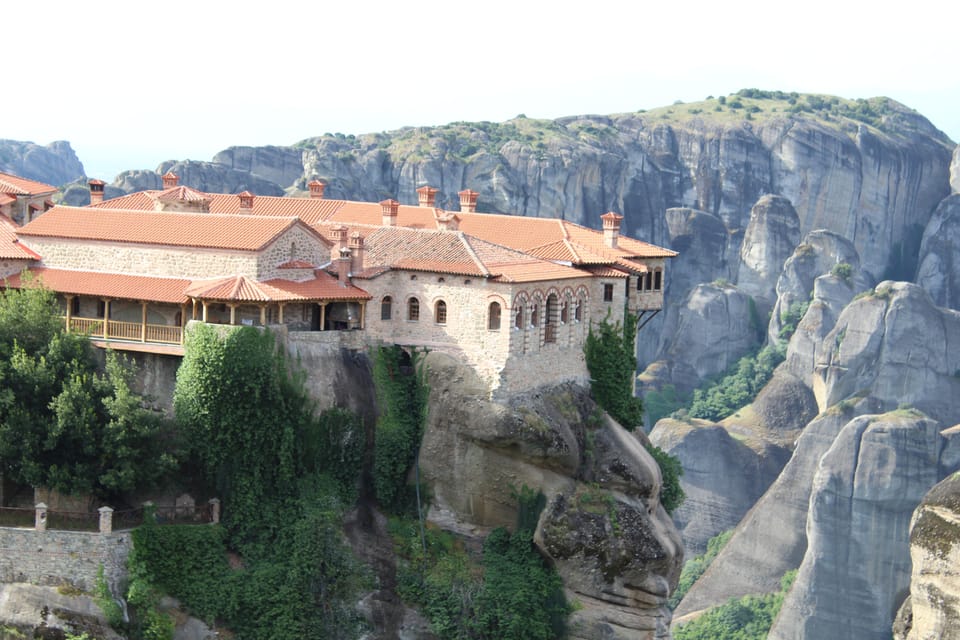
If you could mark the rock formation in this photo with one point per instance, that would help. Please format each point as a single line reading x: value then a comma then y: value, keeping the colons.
x: 939, y: 270
x: 33, y: 611
x: 771, y: 236
x: 932, y: 610
x: 857, y: 563
x: 54, y: 164
x: 603, y: 527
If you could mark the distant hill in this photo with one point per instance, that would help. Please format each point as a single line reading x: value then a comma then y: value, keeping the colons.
x: 56, y: 164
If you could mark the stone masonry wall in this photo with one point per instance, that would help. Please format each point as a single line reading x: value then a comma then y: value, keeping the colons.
x: 59, y: 557
x: 297, y: 243
x: 11, y: 267
x: 148, y: 260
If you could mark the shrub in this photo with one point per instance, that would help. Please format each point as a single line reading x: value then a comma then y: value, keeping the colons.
x: 842, y: 270
x: 612, y: 363
x: 694, y: 568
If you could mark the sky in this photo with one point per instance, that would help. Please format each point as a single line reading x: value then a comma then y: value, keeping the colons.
x: 130, y: 84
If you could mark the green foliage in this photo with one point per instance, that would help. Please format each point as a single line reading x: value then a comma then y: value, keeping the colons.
x: 694, y: 568
x: 746, y: 618
x: 402, y: 395
x: 790, y: 318
x: 739, y: 386
x: 64, y: 424
x: 842, y: 270
x: 662, y: 403
x: 672, y: 494
x: 105, y: 600
x: 612, y: 363
x: 242, y: 411
x: 334, y: 444
x: 511, y: 594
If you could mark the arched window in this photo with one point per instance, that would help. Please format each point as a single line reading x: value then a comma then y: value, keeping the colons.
x: 534, y: 316
x: 648, y: 282
x: 413, y: 309
x: 550, y: 312
x: 578, y: 311
x: 440, y: 312
x: 493, y: 317
x: 657, y: 280
x: 518, y: 319
x: 386, y: 308
x: 564, y: 312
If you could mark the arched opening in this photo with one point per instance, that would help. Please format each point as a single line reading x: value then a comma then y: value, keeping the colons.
x: 440, y: 312
x: 413, y: 309
x: 493, y: 317
x: 386, y: 308
x: 534, y: 316
x: 657, y: 280
x: 578, y: 311
x: 551, y: 313
x: 518, y: 318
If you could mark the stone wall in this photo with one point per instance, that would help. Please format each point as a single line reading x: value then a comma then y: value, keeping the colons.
x: 298, y: 243
x: 12, y: 267
x: 60, y: 557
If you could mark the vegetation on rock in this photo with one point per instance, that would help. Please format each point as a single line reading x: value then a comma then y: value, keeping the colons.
x: 64, y: 424
x: 694, y: 568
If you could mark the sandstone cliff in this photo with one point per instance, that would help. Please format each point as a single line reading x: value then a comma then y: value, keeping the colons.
x: 54, y: 164
x: 932, y: 610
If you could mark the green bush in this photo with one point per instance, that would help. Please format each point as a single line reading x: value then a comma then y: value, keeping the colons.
x: 612, y: 362
x: 694, y: 568
x: 739, y: 386
x: 843, y: 270
x: 671, y: 493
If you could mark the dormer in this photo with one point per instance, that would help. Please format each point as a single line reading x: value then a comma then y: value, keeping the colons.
x: 181, y: 200
x: 447, y: 220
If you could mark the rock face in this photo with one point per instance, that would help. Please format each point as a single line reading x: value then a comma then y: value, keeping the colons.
x: 771, y: 236
x: 29, y: 610
x: 932, y: 610
x: 939, y: 270
x: 720, y: 487
x: 857, y: 563
x: 955, y: 171
x: 604, y: 529
x: 715, y: 325
x: 55, y: 164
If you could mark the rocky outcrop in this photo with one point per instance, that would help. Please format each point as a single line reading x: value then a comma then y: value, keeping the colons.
x: 771, y: 236
x: 939, y: 270
x: 932, y: 610
x: 282, y: 166
x: 33, y: 611
x: 55, y: 164
x: 722, y: 486
x: 603, y: 527
x: 715, y: 325
x: 900, y: 347
x: 955, y: 171
x: 857, y: 563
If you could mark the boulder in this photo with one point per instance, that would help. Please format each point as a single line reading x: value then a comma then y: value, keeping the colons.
x: 771, y: 236
x: 939, y: 270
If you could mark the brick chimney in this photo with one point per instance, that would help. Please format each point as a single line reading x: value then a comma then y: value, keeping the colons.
x: 356, y: 251
x: 246, y: 202
x: 390, y: 209
x: 468, y: 201
x: 426, y: 196
x: 96, y: 191
x: 447, y: 220
x: 611, y: 228
x: 170, y: 180
x: 316, y: 188
x: 339, y: 235
x: 343, y: 266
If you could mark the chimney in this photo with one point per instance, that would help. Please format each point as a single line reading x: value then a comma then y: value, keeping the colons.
x: 447, y: 220
x: 316, y: 188
x: 170, y: 180
x: 426, y: 196
x: 339, y: 234
x: 343, y: 266
x: 246, y: 202
x: 96, y: 191
x: 356, y: 251
x: 611, y: 228
x: 468, y: 201
x: 389, y: 209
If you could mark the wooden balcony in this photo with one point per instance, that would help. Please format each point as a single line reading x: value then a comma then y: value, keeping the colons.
x: 132, y: 332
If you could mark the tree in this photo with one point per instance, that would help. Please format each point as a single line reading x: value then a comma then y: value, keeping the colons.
x: 612, y: 363
x: 64, y: 424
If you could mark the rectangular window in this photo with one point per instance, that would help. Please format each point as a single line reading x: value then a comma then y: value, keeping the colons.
x: 608, y: 293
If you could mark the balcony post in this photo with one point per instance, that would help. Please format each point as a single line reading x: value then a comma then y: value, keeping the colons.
x: 323, y: 315
x: 40, y: 519
x: 69, y: 311
x: 143, y: 323
x: 204, y: 311
x: 233, y: 314
x: 280, y: 313
x: 263, y: 315
x: 106, y: 319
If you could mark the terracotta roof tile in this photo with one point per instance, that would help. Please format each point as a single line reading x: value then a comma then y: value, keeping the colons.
x: 295, y: 264
x: 110, y: 285
x: 180, y: 194
x: 10, y: 246
x: 5, y: 199
x: 310, y: 210
x: 248, y: 233
x: 243, y: 289
x: 21, y: 186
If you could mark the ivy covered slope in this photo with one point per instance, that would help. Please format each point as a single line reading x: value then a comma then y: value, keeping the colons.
x: 602, y: 525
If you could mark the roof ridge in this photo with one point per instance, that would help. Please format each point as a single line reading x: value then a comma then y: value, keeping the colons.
x: 465, y: 239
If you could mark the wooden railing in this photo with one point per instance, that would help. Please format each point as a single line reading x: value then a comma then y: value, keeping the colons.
x: 132, y: 331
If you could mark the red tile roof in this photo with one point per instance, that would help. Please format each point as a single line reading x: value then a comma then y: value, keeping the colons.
x: 110, y: 285
x: 247, y: 233
x: 296, y: 264
x: 310, y: 210
x: 10, y: 246
x: 243, y: 289
x: 16, y: 185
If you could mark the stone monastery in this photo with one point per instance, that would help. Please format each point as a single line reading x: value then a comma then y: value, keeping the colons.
x: 512, y: 296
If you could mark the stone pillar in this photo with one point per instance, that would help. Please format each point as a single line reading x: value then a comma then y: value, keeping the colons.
x: 40, y: 521
x: 214, y: 510
x: 106, y: 519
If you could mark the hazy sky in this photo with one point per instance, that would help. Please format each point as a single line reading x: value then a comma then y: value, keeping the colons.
x: 132, y: 83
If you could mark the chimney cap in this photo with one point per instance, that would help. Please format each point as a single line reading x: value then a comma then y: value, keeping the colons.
x: 611, y: 218
x: 94, y: 182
